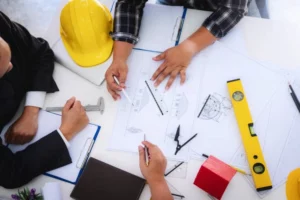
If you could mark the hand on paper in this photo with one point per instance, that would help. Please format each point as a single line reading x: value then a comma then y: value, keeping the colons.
x: 154, y: 172
x: 119, y: 69
x: 24, y: 129
x: 176, y: 61
x: 74, y: 118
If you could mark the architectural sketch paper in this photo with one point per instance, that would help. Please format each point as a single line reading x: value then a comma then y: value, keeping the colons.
x: 217, y: 127
x: 177, y: 106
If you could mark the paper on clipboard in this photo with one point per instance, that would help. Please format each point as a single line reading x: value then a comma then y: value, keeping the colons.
x: 160, y: 32
x: 80, y: 145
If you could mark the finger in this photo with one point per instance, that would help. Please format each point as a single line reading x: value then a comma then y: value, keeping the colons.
x: 159, y: 70
x: 77, y: 105
x: 182, y: 77
x: 82, y: 109
x: 8, y: 135
x: 13, y: 138
x: 148, y: 144
x: 163, y: 75
x: 112, y: 84
x: 69, y: 104
x: 172, y: 78
x: 161, y: 56
x: 142, y: 157
x: 21, y: 139
x: 123, y: 77
x: 114, y: 94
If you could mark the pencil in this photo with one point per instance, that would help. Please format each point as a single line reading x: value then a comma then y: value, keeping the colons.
x: 294, y: 97
x: 146, y: 152
x: 237, y: 169
x: 123, y: 91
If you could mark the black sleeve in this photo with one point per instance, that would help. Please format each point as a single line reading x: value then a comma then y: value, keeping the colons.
x: 45, y: 155
x: 37, y: 52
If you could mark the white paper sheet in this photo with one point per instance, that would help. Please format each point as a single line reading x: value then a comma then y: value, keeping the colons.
x: 132, y: 122
x: 278, y: 131
x: 159, y: 27
x: 217, y: 126
x: 47, y: 123
x: 52, y: 191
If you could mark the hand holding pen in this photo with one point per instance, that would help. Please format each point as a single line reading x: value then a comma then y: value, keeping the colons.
x: 154, y: 171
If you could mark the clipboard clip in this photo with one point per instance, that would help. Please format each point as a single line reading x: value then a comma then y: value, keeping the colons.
x: 177, y: 29
x: 85, y: 152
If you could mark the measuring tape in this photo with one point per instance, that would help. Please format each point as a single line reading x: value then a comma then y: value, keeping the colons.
x: 250, y: 140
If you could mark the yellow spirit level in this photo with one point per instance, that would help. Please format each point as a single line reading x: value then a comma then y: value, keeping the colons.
x: 250, y: 140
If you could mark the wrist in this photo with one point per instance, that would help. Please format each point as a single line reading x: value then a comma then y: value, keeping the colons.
x: 66, y: 132
x: 156, y: 182
x: 190, y: 46
x: 121, y: 51
x: 31, y: 110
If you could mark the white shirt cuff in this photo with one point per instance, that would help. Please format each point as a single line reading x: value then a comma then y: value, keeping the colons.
x: 35, y: 99
x: 64, y: 139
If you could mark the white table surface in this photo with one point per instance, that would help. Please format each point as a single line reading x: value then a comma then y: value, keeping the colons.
x: 262, y: 43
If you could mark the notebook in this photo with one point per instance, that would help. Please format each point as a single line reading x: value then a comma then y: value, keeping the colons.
x: 103, y: 181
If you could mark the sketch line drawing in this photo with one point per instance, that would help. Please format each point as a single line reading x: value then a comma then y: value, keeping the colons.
x: 134, y: 130
x: 154, y: 98
x: 141, y: 99
x: 203, y: 106
x: 179, y: 105
x: 215, y: 107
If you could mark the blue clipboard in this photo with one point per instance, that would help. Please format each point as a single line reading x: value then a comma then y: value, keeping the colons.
x: 83, y: 155
x: 85, y: 162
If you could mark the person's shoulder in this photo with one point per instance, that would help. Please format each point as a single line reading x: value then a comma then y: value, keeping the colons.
x: 5, y: 22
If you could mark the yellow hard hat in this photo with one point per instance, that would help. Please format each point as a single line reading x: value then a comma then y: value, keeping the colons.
x: 293, y: 185
x: 85, y: 27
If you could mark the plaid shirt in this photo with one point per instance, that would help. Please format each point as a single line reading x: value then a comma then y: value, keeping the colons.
x: 226, y: 14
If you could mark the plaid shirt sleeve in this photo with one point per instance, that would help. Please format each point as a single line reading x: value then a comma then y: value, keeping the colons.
x: 127, y: 21
x: 226, y: 17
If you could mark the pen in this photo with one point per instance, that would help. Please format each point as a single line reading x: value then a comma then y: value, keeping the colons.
x: 123, y: 91
x: 237, y: 169
x: 294, y: 96
x: 146, y: 152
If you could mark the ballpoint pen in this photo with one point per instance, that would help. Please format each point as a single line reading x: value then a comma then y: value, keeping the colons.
x: 146, y: 152
x: 123, y: 91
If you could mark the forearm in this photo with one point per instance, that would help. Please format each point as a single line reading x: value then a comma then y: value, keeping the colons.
x: 47, y: 154
x: 199, y: 40
x: 121, y: 51
x: 160, y: 191
x: 127, y: 20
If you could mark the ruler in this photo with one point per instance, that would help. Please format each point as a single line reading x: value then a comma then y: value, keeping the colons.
x: 257, y: 164
x: 158, y: 98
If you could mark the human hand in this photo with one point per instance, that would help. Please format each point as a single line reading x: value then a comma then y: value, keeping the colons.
x: 176, y: 61
x: 119, y: 69
x: 24, y: 129
x: 154, y: 172
x: 74, y: 118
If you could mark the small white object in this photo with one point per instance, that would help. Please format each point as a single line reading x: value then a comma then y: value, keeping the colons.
x: 123, y: 91
x: 52, y: 191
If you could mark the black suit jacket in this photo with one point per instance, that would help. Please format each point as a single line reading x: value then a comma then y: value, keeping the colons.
x: 47, y: 154
x: 33, y: 65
